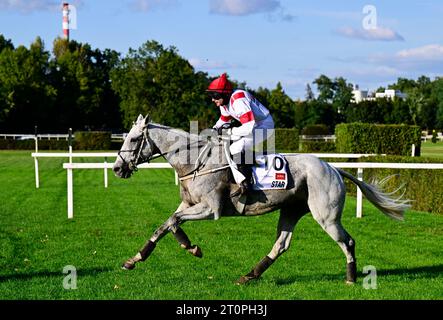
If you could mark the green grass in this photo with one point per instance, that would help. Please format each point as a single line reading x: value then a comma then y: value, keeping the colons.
x: 433, y: 150
x: 37, y: 241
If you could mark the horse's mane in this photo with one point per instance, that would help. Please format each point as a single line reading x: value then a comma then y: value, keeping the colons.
x: 180, y: 132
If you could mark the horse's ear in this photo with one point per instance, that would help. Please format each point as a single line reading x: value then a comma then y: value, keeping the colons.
x: 139, y: 119
x: 147, y: 119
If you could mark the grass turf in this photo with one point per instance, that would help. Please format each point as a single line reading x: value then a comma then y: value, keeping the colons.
x: 37, y: 241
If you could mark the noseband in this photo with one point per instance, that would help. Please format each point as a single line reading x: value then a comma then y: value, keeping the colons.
x: 132, y: 164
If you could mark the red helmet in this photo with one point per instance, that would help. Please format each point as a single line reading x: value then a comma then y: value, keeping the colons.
x: 221, y: 85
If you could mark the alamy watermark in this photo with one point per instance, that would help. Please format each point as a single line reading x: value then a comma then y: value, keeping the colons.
x: 70, y: 281
x: 370, y: 281
x: 370, y: 20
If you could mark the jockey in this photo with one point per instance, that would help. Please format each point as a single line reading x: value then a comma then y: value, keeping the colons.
x: 256, y: 124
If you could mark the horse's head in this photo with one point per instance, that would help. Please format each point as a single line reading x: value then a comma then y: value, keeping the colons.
x: 137, y: 148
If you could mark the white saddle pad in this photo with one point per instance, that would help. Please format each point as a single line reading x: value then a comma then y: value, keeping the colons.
x: 270, y: 172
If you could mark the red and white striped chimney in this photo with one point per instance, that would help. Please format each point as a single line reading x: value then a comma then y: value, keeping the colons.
x: 66, y: 21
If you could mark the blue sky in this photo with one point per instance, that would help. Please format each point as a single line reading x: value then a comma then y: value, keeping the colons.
x: 260, y: 42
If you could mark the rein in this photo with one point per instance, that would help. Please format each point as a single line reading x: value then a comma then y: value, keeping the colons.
x: 132, y: 164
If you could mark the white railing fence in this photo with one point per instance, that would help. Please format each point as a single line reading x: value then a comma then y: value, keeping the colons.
x: 360, y: 166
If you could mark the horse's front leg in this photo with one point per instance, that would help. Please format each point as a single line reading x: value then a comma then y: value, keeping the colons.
x: 200, y: 211
x: 182, y: 237
x: 186, y: 244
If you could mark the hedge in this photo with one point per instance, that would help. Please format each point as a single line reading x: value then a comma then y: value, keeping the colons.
x: 10, y: 144
x: 286, y: 140
x: 421, y: 186
x: 92, y: 140
x: 84, y: 140
x: 379, y: 139
x: 317, y: 146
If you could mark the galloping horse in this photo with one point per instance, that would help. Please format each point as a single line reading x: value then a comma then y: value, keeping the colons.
x: 206, y: 190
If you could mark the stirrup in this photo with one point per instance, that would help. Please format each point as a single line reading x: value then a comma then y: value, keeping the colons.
x: 243, y: 189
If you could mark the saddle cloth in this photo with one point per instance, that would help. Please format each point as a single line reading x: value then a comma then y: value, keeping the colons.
x: 270, y: 172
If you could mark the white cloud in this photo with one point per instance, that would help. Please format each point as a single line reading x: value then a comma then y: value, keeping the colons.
x: 205, y: 64
x: 150, y: 5
x: 430, y: 52
x: 242, y: 8
x: 27, y: 6
x: 377, y: 34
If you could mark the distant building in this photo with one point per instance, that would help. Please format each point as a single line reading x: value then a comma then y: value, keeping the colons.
x: 359, y: 95
x: 364, y: 95
x: 391, y: 94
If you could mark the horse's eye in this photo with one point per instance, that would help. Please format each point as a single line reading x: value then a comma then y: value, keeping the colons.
x: 136, y: 139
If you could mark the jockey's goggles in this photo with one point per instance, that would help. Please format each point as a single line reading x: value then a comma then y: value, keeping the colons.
x: 215, y: 95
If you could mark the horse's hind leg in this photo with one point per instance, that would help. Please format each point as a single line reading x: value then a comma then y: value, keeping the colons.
x: 286, y: 224
x: 328, y: 216
x: 347, y: 244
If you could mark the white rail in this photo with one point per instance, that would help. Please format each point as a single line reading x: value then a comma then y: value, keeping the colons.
x: 359, y: 166
x: 380, y: 165
x: 72, y: 166
x: 69, y: 155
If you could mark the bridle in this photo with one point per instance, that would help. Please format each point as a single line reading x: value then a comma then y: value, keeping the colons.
x: 145, y: 139
x: 132, y: 164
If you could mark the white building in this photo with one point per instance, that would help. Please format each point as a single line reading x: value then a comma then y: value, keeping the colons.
x: 359, y: 95
x: 390, y: 94
x: 364, y: 95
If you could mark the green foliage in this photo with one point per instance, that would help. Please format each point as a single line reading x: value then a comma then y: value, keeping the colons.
x: 379, y: 139
x: 434, y: 136
x: 26, y: 96
x: 85, y: 98
x: 92, y: 140
x: 286, y: 140
x: 10, y: 144
x: 419, y: 185
x: 157, y: 81
x: 281, y: 107
x: 317, y: 146
x: 315, y: 130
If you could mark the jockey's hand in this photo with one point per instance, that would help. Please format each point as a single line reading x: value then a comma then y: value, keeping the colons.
x: 224, y: 127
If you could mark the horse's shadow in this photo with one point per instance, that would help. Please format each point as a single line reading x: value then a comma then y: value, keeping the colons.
x: 58, y: 273
x: 416, y: 272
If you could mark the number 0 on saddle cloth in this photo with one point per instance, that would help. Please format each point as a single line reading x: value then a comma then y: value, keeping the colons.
x: 270, y: 172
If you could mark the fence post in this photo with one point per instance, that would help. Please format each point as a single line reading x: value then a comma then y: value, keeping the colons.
x: 106, y: 173
x: 70, y: 145
x: 359, y: 194
x: 37, y: 180
x: 70, y: 195
x: 413, y: 150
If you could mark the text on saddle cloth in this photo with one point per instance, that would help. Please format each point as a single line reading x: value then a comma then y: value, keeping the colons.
x: 270, y: 172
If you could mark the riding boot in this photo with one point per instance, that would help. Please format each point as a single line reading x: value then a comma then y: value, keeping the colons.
x: 245, y: 185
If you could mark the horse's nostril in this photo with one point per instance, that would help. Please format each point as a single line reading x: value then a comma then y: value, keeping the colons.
x: 116, y: 169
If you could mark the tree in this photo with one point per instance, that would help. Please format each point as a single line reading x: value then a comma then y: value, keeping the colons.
x: 81, y: 75
x: 281, y: 107
x: 342, y: 98
x: 326, y: 88
x: 26, y: 97
x: 156, y: 80
x: 437, y: 98
x: 309, y: 94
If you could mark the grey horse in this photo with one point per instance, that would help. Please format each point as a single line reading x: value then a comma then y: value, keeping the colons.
x: 207, y: 191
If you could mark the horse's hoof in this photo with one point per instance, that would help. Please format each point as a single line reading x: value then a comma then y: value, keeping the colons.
x: 128, y: 266
x: 196, y: 251
x: 244, y: 280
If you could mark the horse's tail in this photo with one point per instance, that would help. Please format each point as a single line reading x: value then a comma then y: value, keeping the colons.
x: 391, y: 207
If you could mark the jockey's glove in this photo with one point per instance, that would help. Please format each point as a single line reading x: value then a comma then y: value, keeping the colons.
x: 225, y: 126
